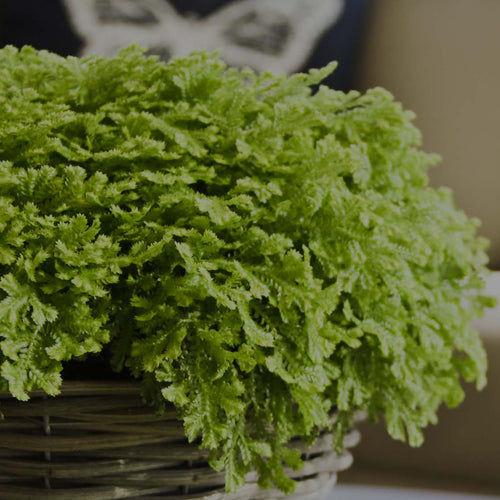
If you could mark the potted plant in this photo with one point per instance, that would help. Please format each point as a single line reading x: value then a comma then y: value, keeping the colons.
x: 265, y: 258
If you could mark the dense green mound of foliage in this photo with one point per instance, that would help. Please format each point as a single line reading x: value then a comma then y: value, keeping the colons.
x: 257, y: 252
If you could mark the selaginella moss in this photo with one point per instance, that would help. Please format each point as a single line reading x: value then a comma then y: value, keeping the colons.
x: 257, y: 252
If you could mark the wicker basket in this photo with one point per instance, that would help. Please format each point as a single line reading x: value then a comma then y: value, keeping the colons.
x: 98, y: 441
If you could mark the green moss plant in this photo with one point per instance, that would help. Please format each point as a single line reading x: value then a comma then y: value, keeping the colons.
x: 258, y: 249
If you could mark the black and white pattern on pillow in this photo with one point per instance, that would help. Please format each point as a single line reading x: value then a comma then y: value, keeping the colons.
x: 128, y: 11
x: 277, y: 35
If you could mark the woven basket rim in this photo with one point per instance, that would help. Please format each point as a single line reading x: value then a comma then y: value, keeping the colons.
x: 89, y: 388
x: 98, y: 440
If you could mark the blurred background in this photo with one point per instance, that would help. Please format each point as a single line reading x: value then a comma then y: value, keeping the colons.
x: 439, y: 57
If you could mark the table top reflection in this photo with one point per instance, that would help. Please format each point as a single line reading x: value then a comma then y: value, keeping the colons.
x: 351, y: 492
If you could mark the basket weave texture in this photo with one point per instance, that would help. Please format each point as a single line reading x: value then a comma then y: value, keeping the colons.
x: 98, y: 441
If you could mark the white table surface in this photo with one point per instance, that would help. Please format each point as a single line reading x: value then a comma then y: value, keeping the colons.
x: 349, y: 492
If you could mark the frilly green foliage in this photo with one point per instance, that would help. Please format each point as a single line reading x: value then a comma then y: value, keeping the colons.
x: 257, y: 252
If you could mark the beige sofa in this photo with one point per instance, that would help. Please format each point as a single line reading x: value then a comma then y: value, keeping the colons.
x: 441, y: 59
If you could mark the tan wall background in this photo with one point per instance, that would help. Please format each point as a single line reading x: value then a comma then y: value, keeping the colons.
x: 441, y: 58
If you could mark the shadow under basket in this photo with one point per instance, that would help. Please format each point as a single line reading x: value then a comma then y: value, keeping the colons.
x: 98, y: 441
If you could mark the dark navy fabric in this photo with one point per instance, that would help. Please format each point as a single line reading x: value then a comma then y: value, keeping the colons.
x: 40, y: 23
